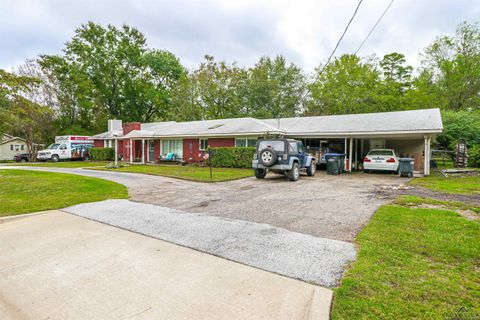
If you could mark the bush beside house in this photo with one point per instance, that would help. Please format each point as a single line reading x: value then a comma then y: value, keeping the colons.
x: 240, y: 157
x: 102, y: 154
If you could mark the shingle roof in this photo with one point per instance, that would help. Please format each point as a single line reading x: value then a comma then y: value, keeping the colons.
x: 398, y: 122
x: 108, y: 134
x: 424, y: 120
x: 212, y: 128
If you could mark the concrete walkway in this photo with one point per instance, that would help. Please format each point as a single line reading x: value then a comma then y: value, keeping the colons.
x: 296, y: 255
x: 60, y: 266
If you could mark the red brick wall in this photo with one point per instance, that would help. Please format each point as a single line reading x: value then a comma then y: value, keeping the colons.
x: 191, y: 152
x: 156, y: 150
x: 98, y: 143
x: 126, y: 150
x: 130, y: 126
x: 221, y: 142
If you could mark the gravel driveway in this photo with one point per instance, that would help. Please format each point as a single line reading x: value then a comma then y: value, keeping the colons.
x: 333, y: 207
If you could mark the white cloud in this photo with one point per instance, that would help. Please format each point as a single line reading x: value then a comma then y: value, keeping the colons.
x: 304, y: 31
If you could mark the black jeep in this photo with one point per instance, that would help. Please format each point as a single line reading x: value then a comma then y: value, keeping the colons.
x: 283, y: 156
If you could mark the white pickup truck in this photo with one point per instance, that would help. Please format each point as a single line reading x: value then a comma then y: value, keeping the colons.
x: 67, y: 147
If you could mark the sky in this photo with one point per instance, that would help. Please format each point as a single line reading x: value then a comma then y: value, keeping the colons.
x: 304, y: 31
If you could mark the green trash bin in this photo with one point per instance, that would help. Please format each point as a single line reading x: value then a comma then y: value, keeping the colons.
x: 334, y: 163
x: 405, y: 167
x: 332, y: 166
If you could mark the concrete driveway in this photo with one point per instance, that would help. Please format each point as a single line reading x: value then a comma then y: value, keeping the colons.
x: 60, y: 266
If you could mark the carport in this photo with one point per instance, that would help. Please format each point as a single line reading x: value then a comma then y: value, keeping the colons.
x: 408, y: 132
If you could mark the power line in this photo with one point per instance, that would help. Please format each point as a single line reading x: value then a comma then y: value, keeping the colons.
x: 376, y: 24
x: 339, y: 40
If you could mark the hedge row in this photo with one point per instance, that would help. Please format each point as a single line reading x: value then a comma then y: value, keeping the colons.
x: 102, y: 154
x: 240, y: 157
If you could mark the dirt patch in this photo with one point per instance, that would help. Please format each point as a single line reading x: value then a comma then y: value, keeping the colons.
x: 466, y: 213
x: 392, y: 192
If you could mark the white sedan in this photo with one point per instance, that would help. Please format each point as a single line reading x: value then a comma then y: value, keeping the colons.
x: 381, y: 160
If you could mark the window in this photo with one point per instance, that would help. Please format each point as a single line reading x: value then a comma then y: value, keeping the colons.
x: 277, y: 145
x: 245, y: 142
x: 11, y: 147
x: 380, y: 152
x: 175, y: 146
x: 22, y: 147
x: 300, y: 147
x: 108, y: 143
x: 203, y: 144
x: 293, y: 147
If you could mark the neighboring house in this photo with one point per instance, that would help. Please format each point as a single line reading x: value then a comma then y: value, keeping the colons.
x: 408, y: 132
x: 10, y: 146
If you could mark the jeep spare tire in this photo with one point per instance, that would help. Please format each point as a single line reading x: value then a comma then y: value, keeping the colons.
x: 268, y: 157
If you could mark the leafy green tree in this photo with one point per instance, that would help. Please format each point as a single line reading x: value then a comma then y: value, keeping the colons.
x: 459, y: 124
x: 21, y: 116
x: 110, y: 73
x: 346, y: 85
x: 275, y: 89
x: 217, y: 86
x: 396, y: 81
x: 454, y: 62
x: 186, y: 105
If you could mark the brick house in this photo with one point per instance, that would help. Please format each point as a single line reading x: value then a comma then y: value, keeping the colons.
x: 408, y: 132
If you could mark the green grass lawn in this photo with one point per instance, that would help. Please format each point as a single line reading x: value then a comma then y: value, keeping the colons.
x: 412, y: 264
x: 23, y: 191
x: 63, y: 164
x: 187, y: 172
x: 462, y: 184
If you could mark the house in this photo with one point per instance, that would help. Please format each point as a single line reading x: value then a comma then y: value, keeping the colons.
x: 11, y: 146
x: 408, y: 132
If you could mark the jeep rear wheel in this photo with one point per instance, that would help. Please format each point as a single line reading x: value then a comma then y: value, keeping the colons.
x: 311, y: 170
x: 260, y: 173
x: 294, y: 173
x: 54, y: 158
x: 268, y: 157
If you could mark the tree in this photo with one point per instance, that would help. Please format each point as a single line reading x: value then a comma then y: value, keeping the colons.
x: 23, y: 117
x: 218, y: 86
x: 347, y: 85
x: 396, y: 81
x: 108, y: 72
x: 275, y: 89
x: 454, y: 62
x: 185, y: 101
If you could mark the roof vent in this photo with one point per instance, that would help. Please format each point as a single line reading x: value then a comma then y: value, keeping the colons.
x: 215, y: 126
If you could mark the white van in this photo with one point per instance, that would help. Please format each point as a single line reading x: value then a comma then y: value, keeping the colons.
x: 67, y: 147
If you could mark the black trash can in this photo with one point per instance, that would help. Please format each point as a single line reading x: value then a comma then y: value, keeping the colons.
x: 405, y: 167
x: 334, y: 163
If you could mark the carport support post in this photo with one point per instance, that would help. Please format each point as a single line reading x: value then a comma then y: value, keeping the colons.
x: 148, y: 149
x: 143, y: 151
x: 131, y: 151
x: 345, y: 157
x: 426, y: 157
x: 116, y: 151
x: 350, y: 153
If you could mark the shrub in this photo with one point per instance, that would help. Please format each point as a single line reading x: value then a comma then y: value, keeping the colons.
x: 474, y: 156
x: 102, y: 154
x: 233, y: 157
x: 459, y: 124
